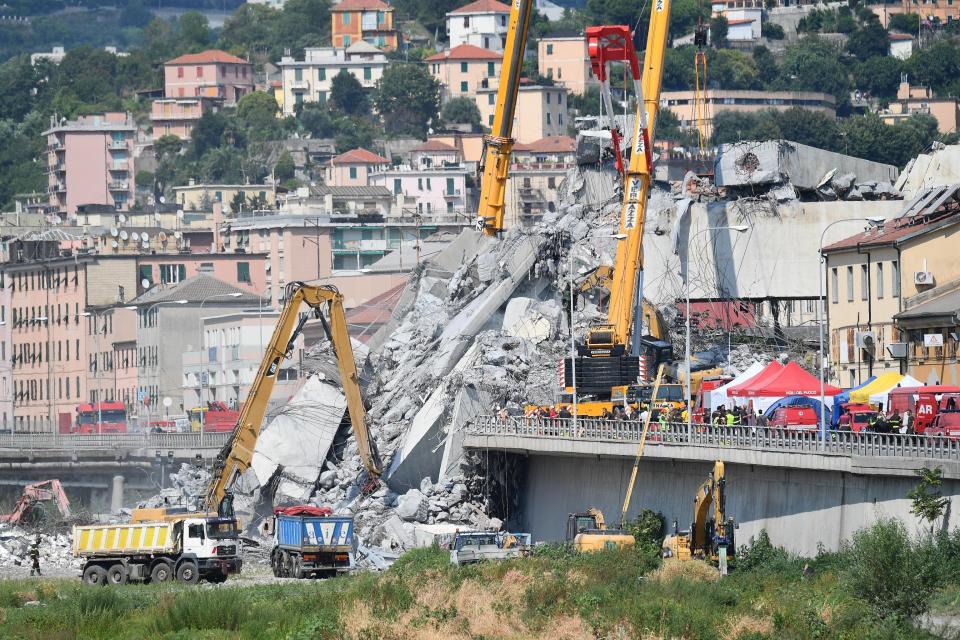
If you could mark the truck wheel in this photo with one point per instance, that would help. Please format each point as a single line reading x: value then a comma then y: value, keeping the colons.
x: 297, y: 571
x: 161, y: 572
x: 95, y: 576
x: 276, y: 564
x: 217, y: 577
x: 188, y: 572
x: 117, y: 574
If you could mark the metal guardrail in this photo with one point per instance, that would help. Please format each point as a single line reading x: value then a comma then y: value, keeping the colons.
x: 845, y: 443
x: 110, y: 441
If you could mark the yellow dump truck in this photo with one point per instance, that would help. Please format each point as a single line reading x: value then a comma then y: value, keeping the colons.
x: 189, y: 550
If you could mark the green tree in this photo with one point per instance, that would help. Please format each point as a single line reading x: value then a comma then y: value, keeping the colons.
x: 807, y: 126
x: 408, y: 99
x: 927, y: 499
x: 257, y: 112
x: 772, y: 31
x: 431, y: 14
x: 315, y: 119
x: 193, y: 31
x: 238, y: 202
x: 880, y: 75
x: 868, y: 41
x: 904, y: 22
x: 145, y: 179
x: 348, y: 95
x: 209, y: 133
x: 303, y: 23
x: 733, y: 70
x: 251, y: 28
x: 284, y: 169
x: 719, y: 28
x: 353, y: 133
x: 462, y: 111
x: 87, y: 74
x: 135, y: 15
x: 813, y: 64
x: 767, y: 70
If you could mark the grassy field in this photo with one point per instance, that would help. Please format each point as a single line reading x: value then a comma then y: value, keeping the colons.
x: 555, y: 594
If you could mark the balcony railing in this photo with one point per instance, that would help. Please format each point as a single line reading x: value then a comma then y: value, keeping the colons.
x: 115, y: 145
x: 119, y: 185
x: 111, y: 441
x: 452, y: 193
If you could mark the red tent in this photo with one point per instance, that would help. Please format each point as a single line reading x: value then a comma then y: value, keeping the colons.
x: 792, y: 380
x: 768, y: 372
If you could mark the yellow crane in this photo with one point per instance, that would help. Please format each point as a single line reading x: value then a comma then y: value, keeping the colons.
x: 236, y: 456
x: 495, y: 163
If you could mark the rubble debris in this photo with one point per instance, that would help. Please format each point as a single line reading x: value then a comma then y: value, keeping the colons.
x: 56, y: 549
x: 188, y: 486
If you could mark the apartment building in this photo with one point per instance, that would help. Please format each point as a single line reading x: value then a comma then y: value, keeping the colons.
x: 466, y: 70
x: 90, y: 161
x: 210, y: 74
x: 178, y: 116
x: 353, y: 168
x: 930, y: 334
x: 434, y: 153
x: 6, y: 372
x: 111, y: 348
x: 681, y: 103
x: 744, y: 18
x: 311, y: 79
x: 870, y: 276
x: 538, y: 171
x: 541, y: 111
x: 483, y: 24
x: 368, y: 20
x: 201, y: 197
x: 915, y: 99
x: 428, y: 189
x: 565, y: 60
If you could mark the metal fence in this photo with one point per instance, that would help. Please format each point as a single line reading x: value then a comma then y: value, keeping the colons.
x: 759, y: 438
x: 111, y: 441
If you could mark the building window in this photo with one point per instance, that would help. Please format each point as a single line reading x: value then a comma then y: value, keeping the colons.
x: 879, y: 280
x: 322, y: 97
x: 850, y: 284
x: 549, y: 49
x: 346, y: 41
x: 397, y: 189
x: 298, y: 74
x: 491, y: 70
x: 834, y: 286
x: 419, y: 184
x: 146, y: 274
x: 179, y: 75
x: 548, y: 97
x: 466, y: 21
x: 323, y: 74
x: 367, y: 73
x: 551, y: 182
x: 490, y: 119
x: 346, y: 18
x: 243, y: 272
x: 491, y: 98
x: 199, y: 72
x: 864, y: 282
x: 549, y: 120
x: 353, y: 173
x: 895, y: 279
x: 450, y: 188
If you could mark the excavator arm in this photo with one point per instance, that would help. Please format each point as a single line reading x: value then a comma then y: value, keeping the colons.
x: 46, y: 491
x: 498, y: 146
x: 236, y: 456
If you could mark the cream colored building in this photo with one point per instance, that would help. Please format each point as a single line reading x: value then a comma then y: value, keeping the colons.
x: 536, y: 174
x: 200, y: 197
x: 565, y: 61
x: 912, y: 100
x: 311, y: 79
x: 465, y: 70
x: 869, y: 277
x: 353, y: 168
x: 541, y: 112
x: 681, y: 103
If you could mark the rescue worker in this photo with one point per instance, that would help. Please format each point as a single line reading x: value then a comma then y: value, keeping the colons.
x: 35, y: 556
x: 907, y: 422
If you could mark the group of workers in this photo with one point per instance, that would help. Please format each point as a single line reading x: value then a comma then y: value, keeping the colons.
x: 737, y: 417
x: 880, y: 422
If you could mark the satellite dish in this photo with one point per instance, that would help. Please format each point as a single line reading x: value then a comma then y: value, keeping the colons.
x: 122, y: 218
x: 146, y: 244
x: 267, y: 267
x: 145, y: 283
x: 124, y: 236
x: 180, y: 213
x: 145, y: 236
x: 57, y: 220
x: 177, y: 235
x: 156, y: 216
x: 162, y: 199
x: 114, y: 232
x: 167, y: 401
x: 115, y: 244
x: 162, y: 237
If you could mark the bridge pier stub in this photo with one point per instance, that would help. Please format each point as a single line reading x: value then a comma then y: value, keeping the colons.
x: 116, y: 494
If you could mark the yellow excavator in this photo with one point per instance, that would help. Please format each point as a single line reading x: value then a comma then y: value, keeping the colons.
x: 589, y: 532
x: 237, y: 454
x: 711, y: 536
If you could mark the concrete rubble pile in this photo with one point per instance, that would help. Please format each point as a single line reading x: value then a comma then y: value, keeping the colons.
x: 188, y: 486
x: 56, y: 549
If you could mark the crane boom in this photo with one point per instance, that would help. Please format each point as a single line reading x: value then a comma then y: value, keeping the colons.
x: 499, y: 144
x: 236, y: 456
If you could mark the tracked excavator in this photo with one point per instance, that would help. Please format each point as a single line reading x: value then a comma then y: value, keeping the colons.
x: 236, y: 456
x: 711, y: 535
x: 26, y: 507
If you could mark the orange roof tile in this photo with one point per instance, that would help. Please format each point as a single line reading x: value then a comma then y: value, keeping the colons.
x: 466, y: 52
x: 207, y: 57
x: 359, y: 156
x: 360, y: 5
x: 550, y: 144
x: 434, y: 145
x: 483, y: 6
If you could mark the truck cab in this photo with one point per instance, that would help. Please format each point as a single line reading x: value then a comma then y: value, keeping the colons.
x: 213, y: 542
x: 795, y: 418
x: 946, y: 423
x: 475, y: 546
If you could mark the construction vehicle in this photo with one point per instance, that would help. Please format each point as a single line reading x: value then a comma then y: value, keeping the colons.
x: 188, y: 549
x: 589, y: 532
x: 101, y: 417
x: 214, y: 418
x: 709, y: 537
x: 470, y: 547
x: 498, y: 145
x: 27, y: 508
x: 610, y: 360
x: 310, y: 542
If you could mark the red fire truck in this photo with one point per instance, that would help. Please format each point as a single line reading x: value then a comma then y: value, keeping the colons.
x: 100, y: 417
x: 925, y: 402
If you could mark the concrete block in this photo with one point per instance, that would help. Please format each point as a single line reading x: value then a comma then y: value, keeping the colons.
x: 413, y: 506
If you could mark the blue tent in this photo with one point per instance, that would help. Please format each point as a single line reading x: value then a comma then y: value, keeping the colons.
x: 790, y: 401
x: 842, y: 398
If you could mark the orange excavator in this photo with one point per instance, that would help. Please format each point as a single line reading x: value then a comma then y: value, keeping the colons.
x: 46, y: 491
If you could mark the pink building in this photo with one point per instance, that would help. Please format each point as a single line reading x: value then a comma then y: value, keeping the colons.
x: 464, y: 70
x: 353, y: 168
x: 90, y: 161
x: 6, y: 374
x: 435, y: 153
x: 210, y: 74
x: 431, y: 190
x: 247, y: 271
x: 178, y: 116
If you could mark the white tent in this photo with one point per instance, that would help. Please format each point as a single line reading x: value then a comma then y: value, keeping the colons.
x: 718, y: 396
x: 908, y: 382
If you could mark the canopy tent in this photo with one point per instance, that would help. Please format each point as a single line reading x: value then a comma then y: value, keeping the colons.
x: 843, y: 398
x: 790, y: 401
x: 883, y: 397
x: 883, y: 383
x: 791, y: 380
x: 718, y: 396
x: 741, y: 390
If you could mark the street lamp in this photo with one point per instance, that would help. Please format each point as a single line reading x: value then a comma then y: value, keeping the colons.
x: 203, y: 362
x: 741, y: 228
x: 874, y: 221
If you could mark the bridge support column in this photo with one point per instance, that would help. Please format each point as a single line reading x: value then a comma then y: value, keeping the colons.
x: 116, y: 495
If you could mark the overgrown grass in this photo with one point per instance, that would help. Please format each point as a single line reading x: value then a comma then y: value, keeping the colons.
x: 554, y: 594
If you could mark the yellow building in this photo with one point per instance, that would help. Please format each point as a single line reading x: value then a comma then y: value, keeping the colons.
x: 872, y: 276
x: 353, y: 168
x: 565, y: 60
x: 370, y: 20
x: 681, y: 103
x: 929, y: 330
x: 465, y: 70
x: 912, y: 100
x: 541, y: 112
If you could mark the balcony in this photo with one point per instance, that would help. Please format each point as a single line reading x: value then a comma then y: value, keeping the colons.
x: 300, y: 85
x: 359, y: 245
x: 56, y: 145
x: 56, y: 168
x: 117, y: 145
x: 119, y: 185
x: 452, y: 193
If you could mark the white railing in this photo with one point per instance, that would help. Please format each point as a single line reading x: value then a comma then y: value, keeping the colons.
x: 110, y: 441
x: 759, y: 438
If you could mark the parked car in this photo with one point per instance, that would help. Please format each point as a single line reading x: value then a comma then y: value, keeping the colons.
x: 795, y: 418
x: 945, y: 423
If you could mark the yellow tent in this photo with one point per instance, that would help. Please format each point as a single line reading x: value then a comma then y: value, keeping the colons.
x: 883, y: 383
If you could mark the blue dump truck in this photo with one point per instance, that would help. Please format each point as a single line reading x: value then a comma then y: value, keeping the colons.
x: 311, y: 542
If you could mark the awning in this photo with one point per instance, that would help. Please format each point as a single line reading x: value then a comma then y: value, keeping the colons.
x: 719, y: 395
x: 883, y: 383
x: 883, y: 397
x: 742, y: 390
x: 791, y: 380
